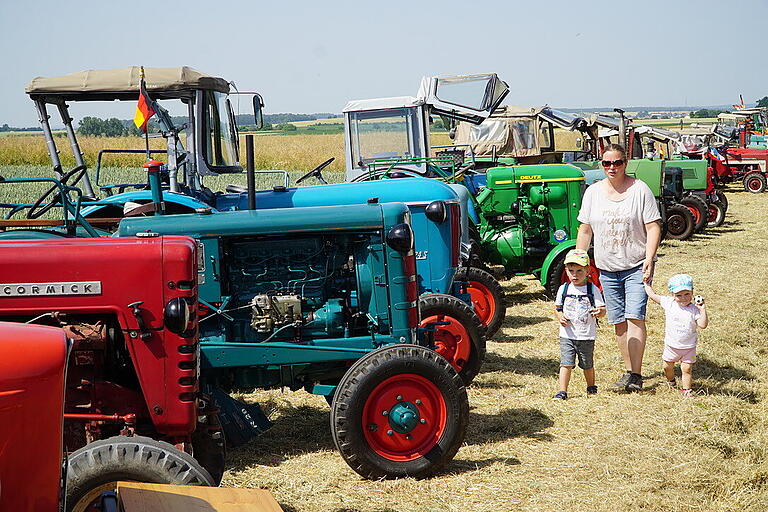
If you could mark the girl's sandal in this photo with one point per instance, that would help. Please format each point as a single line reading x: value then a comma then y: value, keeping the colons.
x: 688, y: 393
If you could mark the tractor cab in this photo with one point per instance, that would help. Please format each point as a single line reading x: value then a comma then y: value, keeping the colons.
x: 204, y: 142
x: 382, y: 132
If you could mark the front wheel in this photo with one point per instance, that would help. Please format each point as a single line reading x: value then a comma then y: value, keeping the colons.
x: 755, y: 182
x: 97, y: 467
x: 458, y: 334
x: 487, y: 297
x: 698, y: 209
x: 399, y: 411
x: 679, y: 222
x: 722, y: 198
x: 715, y: 214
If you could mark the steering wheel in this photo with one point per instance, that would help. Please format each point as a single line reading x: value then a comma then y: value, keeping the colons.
x: 316, y: 172
x: 36, y: 210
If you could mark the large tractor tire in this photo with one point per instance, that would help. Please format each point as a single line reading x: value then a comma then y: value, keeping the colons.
x: 461, y: 341
x: 557, y: 275
x: 698, y: 209
x: 97, y: 467
x: 715, y: 214
x: 755, y: 182
x: 399, y: 411
x: 680, y: 223
x: 487, y: 297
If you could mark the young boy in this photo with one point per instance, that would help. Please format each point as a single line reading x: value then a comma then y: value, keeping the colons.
x: 578, y: 304
x: 681, y: 320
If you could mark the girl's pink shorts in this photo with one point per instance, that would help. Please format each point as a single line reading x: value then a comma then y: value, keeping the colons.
x: 684, y: 355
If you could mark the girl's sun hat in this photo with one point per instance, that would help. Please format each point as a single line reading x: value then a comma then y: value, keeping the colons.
x: 680, y: 282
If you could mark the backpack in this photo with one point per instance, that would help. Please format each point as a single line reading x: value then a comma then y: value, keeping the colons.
x: 590, y: 294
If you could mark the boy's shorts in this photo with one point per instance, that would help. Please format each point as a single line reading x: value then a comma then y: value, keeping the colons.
x: 684, y: 355
x: 569, y: 349
x: 624, y: 294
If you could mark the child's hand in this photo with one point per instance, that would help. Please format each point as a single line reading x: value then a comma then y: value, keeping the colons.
x: 561, y: 318
x: 698, y: 300
x: 597, y: 311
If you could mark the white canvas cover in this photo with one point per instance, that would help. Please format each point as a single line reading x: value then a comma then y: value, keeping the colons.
x: 511, y: 130
x: 127, y: 80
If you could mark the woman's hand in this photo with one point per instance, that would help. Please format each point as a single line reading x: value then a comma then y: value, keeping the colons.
x: 648, y: 268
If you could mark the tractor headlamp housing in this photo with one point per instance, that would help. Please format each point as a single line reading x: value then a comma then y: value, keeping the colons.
x: 437, y: 211
x: 177, y: 316
x: 400, y: 237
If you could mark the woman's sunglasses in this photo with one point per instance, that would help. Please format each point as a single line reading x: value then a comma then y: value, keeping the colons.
x: 612, y: 163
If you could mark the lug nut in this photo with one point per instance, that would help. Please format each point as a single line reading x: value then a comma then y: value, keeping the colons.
x: 418, y: 402
x: 385, y: 413
x: 399, y: 398
x: 409, y: 437
x: 423, y: 420
x: 389, y: 432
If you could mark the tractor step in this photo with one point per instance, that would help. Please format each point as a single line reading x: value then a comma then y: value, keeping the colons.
x: 240, y: 421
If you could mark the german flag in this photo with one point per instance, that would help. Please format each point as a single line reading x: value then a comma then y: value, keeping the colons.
x: 144, y: 109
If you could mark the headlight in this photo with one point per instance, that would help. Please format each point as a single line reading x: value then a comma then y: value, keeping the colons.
x: 400, y: 237
x: 437, y: 211
x: 177, y: 316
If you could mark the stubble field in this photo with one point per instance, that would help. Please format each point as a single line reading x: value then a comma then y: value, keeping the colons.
x: 613, y: 451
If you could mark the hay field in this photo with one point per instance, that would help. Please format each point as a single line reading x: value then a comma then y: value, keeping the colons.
x: 651, y: 451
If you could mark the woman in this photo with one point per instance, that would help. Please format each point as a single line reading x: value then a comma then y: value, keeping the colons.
x: 620, y: 214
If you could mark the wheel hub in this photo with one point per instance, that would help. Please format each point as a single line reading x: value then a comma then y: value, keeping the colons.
x: 403, y: 417
x: 451, y: 340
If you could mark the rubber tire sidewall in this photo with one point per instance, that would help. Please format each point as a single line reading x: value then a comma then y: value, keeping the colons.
x: 720, y: 216
x: 361, y: 379
x: 97, y: 463
x: 497, y: 294
x: 439, y: 304
x: 755, y: 175
x: 678, y: 209
x: 691, y: 201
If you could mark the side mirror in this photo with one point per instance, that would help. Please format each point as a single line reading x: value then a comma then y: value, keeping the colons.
x: 258, y: 114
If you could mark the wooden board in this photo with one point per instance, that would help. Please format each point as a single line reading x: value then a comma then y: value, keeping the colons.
x: 143, y: 497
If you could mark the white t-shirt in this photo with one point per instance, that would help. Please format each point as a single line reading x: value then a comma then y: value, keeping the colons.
x: 582, y: 325
x: 680, y: 324
x: 618, y: 226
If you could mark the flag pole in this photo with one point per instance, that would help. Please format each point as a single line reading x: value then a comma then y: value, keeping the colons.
x: 146, y: 127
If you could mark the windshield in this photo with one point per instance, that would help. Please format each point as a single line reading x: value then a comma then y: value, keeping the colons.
x: 390, y: 133
x: 219, y: 137
x: 479, y: 92
x: 727, y: 128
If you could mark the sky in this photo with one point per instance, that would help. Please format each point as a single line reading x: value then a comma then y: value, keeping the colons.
x: 310, y: 56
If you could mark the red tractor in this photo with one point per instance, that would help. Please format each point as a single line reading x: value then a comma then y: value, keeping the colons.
x: 132, y: 405
x: 32, y: 360
x: 737, y: 159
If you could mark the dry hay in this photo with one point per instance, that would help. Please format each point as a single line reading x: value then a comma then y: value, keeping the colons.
x: 609, y: 452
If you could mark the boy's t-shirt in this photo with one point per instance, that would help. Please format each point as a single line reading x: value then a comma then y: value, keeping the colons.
x: 582, y: 325
x: 680, y: 323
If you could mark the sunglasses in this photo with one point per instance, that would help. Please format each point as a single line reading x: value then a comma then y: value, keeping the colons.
x: 612, y: 163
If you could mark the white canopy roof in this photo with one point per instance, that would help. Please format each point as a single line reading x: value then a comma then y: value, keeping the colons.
x: 383, y: 103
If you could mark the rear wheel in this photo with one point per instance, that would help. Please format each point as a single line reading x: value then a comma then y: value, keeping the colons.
x: 487, y: 297
x: 97, y: 467
x: 722, y: 198
x: 399, y: 411
x: 461, y: 340
x: 715, y: 214
x: 679, y: 223
x: 755, y: 182
x: 698, y: 209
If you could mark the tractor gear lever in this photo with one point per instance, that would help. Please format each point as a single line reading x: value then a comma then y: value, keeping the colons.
x: 136, y: 310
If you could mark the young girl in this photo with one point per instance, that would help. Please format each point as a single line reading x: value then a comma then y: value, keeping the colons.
x: 682, y: 319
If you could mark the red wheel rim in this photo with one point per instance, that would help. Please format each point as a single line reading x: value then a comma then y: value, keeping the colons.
x: 398, y: 392
x: 482, y: 301
x: 712, y: 213
x: 696, y: 213
x: 594, y: 275
x: 452, y: 341
x: 754, y: 184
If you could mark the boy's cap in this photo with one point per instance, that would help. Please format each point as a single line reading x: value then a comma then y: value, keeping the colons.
x: 680, y: 282
x: 577, y: 256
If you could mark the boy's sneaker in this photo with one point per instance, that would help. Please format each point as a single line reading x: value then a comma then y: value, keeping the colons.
x: 560, y: 395
x: 623, y: 380
x: 591, y: 390
x: 635, y: 383
x: 687, y: 393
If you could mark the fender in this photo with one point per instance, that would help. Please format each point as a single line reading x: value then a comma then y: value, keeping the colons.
x: 145, y: 196
x: 553, y: 256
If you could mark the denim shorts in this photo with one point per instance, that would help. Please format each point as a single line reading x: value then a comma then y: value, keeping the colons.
x: 624, y: 294
x: 570, y: 348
